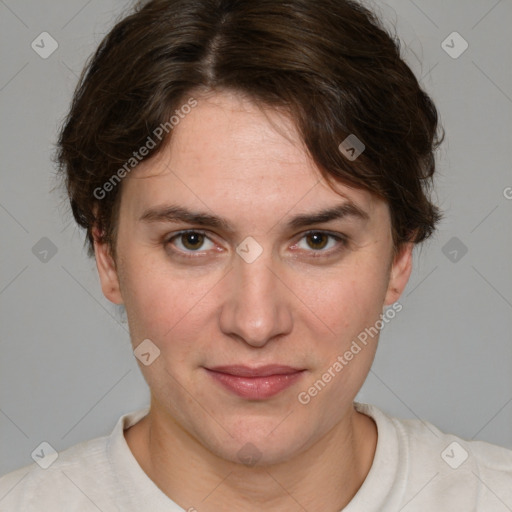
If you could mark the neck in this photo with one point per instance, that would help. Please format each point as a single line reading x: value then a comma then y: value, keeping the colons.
x: 324, y: 477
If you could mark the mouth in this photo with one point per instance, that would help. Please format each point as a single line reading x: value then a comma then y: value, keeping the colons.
x: 255, y: 383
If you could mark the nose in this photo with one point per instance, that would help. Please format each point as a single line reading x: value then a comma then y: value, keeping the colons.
x: 257, y: 305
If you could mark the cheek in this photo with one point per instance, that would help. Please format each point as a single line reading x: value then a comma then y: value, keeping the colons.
x: 350, y: 307
x: 349, y: 300
x: 164, y: 306
x: 168, y: 304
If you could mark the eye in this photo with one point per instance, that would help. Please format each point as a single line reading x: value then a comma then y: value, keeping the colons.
x: 190, y: 241
x: 186, y: 243
x: 318, y: 241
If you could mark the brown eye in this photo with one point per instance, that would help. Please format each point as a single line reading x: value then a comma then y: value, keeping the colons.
x: 192, y: 240
x: 318, y: 240
x: 187, y: 243
x: 322, y: 243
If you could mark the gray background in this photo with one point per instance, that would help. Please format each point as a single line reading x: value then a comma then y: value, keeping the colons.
x: 66, y: 369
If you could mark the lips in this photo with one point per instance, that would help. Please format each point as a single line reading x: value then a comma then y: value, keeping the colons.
x: 255, y: 383
x: 262, y: 371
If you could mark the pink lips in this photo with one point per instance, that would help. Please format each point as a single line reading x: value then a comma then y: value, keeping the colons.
x: 255, y: 383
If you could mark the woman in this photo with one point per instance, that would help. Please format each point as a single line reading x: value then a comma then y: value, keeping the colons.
x: 253, y: 178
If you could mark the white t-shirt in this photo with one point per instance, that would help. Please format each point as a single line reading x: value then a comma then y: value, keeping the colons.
x: 416, y: 468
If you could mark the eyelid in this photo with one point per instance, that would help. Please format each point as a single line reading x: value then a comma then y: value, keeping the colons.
x: 341, y: 239
x: 170, y: 238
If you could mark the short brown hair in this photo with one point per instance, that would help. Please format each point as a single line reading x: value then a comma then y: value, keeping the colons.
x: 330, y: 64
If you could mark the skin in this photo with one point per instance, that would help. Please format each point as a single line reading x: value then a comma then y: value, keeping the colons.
x: 296, y: 304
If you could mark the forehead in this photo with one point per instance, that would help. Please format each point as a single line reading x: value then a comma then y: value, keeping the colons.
x: 228, y: 154
x: 227, y: 137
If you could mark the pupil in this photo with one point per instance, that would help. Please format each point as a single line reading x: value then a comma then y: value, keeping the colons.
x: 317, y: 236
x: 195, y: 238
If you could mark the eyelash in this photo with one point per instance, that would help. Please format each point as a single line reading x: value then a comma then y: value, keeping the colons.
x: 342, y: 240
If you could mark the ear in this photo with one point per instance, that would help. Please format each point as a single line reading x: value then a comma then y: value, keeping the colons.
x: 399, y: 275
x: 107, y: 269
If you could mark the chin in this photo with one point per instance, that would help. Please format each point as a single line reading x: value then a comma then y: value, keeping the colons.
x: 263, y: 444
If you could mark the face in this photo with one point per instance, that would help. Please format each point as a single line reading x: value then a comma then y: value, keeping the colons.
x: 254, y: 281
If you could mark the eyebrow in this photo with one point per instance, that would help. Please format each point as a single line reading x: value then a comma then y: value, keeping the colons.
x: 175, y: 213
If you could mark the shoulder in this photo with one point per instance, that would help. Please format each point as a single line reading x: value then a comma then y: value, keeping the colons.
x: 479, y: 471
x: 446, y: 467
x: 81, y: 478
x: 53, y: 483
x: 428, y: 442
